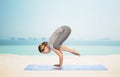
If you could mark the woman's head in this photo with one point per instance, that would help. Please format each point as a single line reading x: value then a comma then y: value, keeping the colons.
x: 43, y: 48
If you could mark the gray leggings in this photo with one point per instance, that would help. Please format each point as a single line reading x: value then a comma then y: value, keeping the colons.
x: 62, y: 37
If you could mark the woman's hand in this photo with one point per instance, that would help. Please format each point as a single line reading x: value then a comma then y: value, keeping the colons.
x: 57, y: 65
x: 58, y: 52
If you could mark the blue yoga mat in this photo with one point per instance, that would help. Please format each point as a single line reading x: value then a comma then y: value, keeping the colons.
x: 36, y: 67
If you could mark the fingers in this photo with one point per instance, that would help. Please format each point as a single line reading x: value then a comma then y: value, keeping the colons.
x: 57, y: 65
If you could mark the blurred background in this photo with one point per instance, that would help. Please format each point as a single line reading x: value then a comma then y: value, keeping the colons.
x: 95, y: 25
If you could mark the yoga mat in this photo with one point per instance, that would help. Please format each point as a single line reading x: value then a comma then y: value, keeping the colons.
x: 36, y: 67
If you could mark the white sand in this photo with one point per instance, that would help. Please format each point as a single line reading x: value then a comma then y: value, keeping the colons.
x: 13, y: 66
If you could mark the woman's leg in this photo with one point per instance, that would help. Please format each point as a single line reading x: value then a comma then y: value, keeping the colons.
x: 73, y: 51
x: 62, y: 37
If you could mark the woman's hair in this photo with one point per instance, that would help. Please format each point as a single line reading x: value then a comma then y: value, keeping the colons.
x: 42, y: 46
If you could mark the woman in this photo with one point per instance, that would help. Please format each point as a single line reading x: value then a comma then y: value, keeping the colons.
x: 55, y: 43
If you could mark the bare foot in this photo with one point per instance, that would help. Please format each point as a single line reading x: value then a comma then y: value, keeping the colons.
x: 75, y: 52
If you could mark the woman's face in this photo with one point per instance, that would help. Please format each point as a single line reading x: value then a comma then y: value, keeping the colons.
x: 46, y: 50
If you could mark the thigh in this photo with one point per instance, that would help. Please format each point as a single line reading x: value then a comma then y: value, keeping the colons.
x: 63, y: 36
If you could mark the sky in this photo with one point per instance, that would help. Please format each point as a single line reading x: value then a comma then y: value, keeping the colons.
x: 88, y: 19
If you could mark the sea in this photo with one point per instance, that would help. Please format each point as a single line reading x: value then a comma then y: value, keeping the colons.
x: 84, y: 50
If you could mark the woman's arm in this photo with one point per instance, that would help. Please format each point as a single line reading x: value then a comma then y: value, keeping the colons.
x: 59, y: 53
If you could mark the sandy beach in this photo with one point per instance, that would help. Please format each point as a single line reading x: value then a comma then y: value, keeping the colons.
x: 13, y: 66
